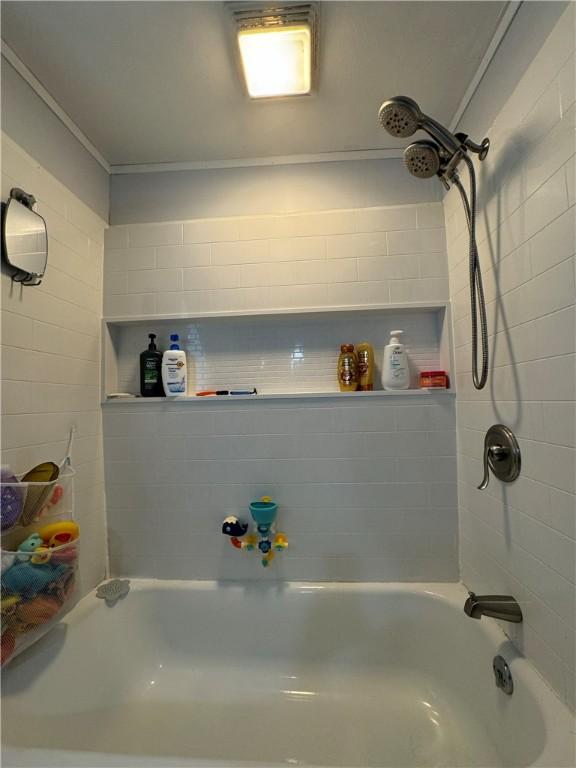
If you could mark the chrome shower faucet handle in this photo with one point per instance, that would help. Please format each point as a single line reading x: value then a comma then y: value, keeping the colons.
x: 501, y: 455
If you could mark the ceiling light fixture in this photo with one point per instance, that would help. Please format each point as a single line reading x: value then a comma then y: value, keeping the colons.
x: 277, y: 47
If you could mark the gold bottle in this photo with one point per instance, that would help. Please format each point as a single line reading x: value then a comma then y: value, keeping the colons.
x: 365, y: 354
x: 347, y: 369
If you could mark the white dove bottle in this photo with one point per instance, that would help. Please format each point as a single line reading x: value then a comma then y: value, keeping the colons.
x: 395, y: 371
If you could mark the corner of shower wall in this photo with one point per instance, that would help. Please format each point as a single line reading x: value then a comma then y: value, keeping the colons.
x: 51, y: 351
x: 520, y: 539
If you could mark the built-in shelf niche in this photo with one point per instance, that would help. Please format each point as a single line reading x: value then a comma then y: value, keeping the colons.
x: 280, y: 353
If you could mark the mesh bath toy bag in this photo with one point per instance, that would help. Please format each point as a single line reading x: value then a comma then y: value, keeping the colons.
x: 39, y: 553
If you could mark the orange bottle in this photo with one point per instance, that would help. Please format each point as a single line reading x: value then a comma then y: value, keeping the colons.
x: 347, y: 369
x: 365, y: 354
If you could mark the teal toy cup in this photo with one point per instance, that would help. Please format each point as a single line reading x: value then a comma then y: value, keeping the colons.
x: 263, y: 512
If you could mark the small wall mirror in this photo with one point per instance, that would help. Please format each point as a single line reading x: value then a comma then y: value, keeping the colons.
x: 24, y: 239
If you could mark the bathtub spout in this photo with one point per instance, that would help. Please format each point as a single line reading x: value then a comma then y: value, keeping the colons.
x: 502, y: 607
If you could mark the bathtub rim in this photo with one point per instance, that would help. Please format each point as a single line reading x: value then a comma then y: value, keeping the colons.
x: 558, y: 720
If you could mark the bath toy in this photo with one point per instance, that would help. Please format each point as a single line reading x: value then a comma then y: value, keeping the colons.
x: 280, y: 542
x: 7, y: 560
x: 37, y: 611
x: 29, y: 545
x: 7, y: 645
x: 56, y: 496
x: 231, y: 526
x: 62, y: 589
x: 11, y: 499
x: 267, y: 559
x: 44, y: 475
x: 41, y: 556
x: 249, y: 542
x: 59, y: 533
x: 27, y: 579
x: 263, y: 529
x: 264, y: 511
x: 8, y: 606
x: 67, y: 555
x: 263, y: 536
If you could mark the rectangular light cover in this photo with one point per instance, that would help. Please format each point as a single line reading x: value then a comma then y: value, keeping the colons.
x: 276, y: 62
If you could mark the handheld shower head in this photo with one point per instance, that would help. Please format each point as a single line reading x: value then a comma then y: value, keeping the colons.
x: 422, y: 159
x: 400, y: 116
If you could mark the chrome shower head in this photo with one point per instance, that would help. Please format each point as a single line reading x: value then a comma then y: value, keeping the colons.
x: 422, y: 159
x: 400, y: 116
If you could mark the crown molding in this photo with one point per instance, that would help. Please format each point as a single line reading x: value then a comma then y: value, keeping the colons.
x: 253, y: 162
x: 50, y: 102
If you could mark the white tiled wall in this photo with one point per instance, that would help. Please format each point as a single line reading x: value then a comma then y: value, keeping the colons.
x: 51, y: 351
x: 345, y: 257
x: 367, y: 490
x: 280, y: 353
x: 520, y: 539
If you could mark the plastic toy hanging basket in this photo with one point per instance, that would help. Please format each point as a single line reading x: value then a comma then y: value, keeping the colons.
x: 40, y: 550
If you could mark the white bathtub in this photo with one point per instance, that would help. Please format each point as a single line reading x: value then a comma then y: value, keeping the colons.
x: 300, y: 674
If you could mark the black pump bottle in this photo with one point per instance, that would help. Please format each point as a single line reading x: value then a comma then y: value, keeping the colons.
x: 151, y: 370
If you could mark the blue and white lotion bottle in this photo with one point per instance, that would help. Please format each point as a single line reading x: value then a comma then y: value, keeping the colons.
x: 174, y: 373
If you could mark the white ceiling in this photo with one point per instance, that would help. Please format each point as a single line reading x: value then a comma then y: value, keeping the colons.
x: 151, y: 82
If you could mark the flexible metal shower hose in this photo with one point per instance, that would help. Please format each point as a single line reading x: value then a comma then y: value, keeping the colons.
x: 477, y: 302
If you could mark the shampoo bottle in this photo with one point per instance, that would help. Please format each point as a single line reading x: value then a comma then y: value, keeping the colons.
x: 174, y: 376
x: 347, y: 369
x: 365, y: 355
x: 395, y: 372
x: 151, y: 370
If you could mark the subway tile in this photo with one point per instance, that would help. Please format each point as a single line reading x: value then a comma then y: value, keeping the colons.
x: 173, y: 256
x: 154, y: 280
x: 355, y: 245
x: 210, y: 230
x: 206, y: 278
x: 388, y: 268
x: 185, y: 302
x: 322, y: 223
x: 553, y: 244
x: 547, y: 203
x: 297, y: 249
x: 143, y: 235
x: 416, y: 241
x: 299, y: 273
x: 556, y: 148
x: 433, y: 265
x: 430, y: 216
x: 116, y: 238
x: 129, y: 259
x: 387, y: 219
x: 244, y: 252
x: 125, y: 306
x: 115, y: 283
x: 544, y: 115
x: 429, y: 289
x: 17, y: 330
x: 566, y: 84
